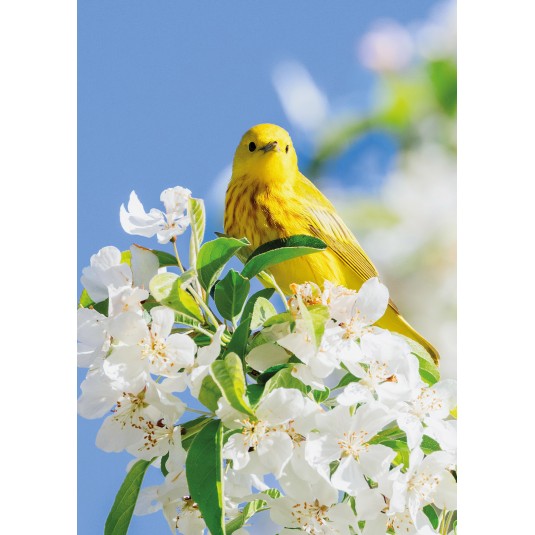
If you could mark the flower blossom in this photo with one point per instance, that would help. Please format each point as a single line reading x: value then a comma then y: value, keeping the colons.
x: 105, y: 270
x: 151, y: 347
x: 165, y: 226
x: 312, y: 508
x: 173, y: 497
x: 269, y: 439
x: 427, y: 480
x: 344, y: 437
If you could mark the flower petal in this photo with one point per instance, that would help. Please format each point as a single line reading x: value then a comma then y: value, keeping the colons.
x: 349, y: 477
x: 371, y: 301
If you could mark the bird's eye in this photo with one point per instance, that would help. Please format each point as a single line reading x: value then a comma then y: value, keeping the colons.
x: 252, y: 146
x: 287, y: 147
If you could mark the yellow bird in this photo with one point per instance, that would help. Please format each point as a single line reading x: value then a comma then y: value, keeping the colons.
x: 268, y: 198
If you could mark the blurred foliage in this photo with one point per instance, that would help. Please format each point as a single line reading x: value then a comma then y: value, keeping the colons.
x: 407, y: 223
x: 427, y: 90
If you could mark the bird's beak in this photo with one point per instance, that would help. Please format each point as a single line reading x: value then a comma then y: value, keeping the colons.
x: 272, y: 145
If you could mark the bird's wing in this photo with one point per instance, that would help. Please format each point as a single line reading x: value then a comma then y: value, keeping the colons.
x: 327, y: 225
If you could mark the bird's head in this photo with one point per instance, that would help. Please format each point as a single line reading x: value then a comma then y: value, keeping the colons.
x: 265, y: 153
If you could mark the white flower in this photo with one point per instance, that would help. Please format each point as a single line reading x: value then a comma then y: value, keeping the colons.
x: 239, y: 485
x: 401, y: 523
x: 102, y: 387
x: 145, y: 265
x: 322, y: 360
x: 444, y: 432
x: 429, y: 405
x: 387, y: 371
x: 312, y: 509
x: 344, y: 437
x: 305, y: 375
x: 126, y: 298
x: 200, y: 367
x: 371, y: 507
x: 143, y: 423
x: 165, y: 225
x: 151, y: 347
x: 357, y: 312
x: 427, y: 480
x: 93, y: 339
x: 105, y: 270
x: 269, y: 438
x: 353, y: 313
x: 180, y: 511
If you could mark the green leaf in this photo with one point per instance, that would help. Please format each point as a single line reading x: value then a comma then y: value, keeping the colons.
x: 402, y: 452
x: 430, y: 513
x: 85, y: 301
x: 192, y: 428
x: 254, y: 393
x: 265, y: 356
x: 428, y: 372
x: 429, y: 445
x: 262, y: 311
x: 166, y: 289
x: 249, y: 510
x: 315, y: 318
x: 209, y: 393
x: 392, y: 433
x: 428, y: 369
x: 238, y: 342
x: 283, y: 317
x: 213, y: 256
x: 230, y: 295
x: 186, y: 320
x: 321, y: 395
x: 197, y: 217
x: 123, y: 507
x: 284, y: 379
x: 102, y: 307
x: 126, y: 257
x: 346, y: 379
x: 203, y: 472
x: 243, y: 254
x: 163, y: 468
x: 280, y: 250
x: 269, y: 373
x: 266, y: 293
x: 228, y: 375
x: 165, y: 259
x: 186, y: 278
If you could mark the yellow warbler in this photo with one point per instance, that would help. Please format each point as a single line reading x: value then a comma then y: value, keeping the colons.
x: 268, y: 198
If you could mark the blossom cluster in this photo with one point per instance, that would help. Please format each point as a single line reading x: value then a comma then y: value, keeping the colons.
x: 350, y: 420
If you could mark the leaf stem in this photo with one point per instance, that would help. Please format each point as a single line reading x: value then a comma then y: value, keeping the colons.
x: 203, y: 331
x: 444, y: 522
x: 180, y: 266
x: 210, y: 315
x: 198, y: 298
x: 278, y: 289
x: 447, y: 522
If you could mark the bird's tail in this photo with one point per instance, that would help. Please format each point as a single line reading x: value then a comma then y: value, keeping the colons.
x: 393, y: 321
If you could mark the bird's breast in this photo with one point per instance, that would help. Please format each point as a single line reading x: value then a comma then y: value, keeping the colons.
x: 255, y: 212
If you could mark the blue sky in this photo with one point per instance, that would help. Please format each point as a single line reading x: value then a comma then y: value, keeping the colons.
x: 165, y: 91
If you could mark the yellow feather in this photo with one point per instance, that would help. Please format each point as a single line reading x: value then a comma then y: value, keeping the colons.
x: 268, y: 198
